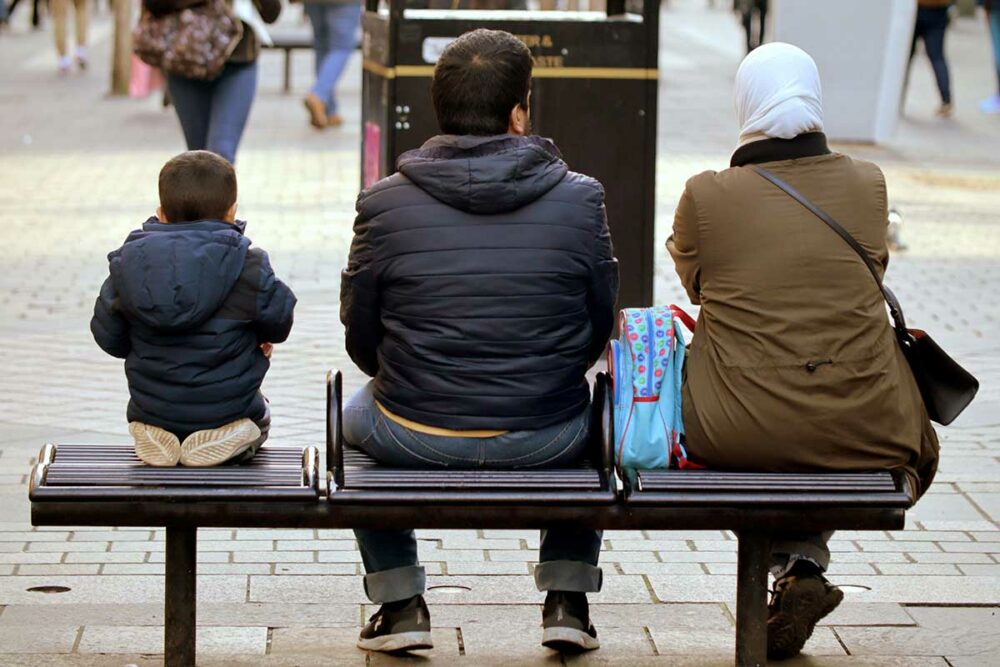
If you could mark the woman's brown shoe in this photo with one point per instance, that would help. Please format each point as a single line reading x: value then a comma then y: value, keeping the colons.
x: 317, y: 111
x: 335, y: 120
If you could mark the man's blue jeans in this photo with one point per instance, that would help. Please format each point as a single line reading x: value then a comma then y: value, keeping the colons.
x: 214, y: 113
x: 335, y: 35
x: 567, y: 558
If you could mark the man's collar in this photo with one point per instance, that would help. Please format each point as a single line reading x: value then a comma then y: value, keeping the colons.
x: 809, y: 144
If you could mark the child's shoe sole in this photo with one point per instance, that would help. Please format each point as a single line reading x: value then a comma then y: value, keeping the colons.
x: 398, y: 642
x: 213, y: 446
x: 155, y: 446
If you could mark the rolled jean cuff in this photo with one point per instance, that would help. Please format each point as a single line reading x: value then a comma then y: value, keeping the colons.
x: 568, y: 575
x: 400, y: 583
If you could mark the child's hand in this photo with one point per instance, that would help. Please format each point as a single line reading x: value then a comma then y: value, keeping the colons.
x: 267, y: 349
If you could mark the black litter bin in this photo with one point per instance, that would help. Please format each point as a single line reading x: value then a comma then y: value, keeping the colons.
x: 594, y: 93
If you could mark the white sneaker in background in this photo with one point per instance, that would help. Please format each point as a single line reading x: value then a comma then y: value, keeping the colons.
x: 154, y: 445
x: 81, y: 57
x: 218, y: 445
x: 65, y: 64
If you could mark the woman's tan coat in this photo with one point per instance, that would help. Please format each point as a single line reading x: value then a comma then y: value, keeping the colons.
x: 794, y: 366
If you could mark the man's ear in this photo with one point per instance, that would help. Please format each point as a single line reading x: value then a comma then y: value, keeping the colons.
x: 160, y: 215
x: 231, y: 214
x: 518, y: 123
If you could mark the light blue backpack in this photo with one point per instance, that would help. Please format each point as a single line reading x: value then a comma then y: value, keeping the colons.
x: 646, y: 363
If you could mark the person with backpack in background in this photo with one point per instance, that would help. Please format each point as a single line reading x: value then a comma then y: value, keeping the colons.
x: 479, y: 290
x: 991, y: 105
x: 213, y: 112
x: 794, y: 365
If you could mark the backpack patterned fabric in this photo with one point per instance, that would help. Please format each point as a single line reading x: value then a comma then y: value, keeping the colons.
x: 194, y: 43
x: 646, y: 363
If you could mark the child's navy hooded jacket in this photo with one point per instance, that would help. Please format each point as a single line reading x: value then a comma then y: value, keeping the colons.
x: 187, y: 306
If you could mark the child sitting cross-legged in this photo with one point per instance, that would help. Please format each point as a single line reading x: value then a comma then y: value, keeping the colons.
x: 194, y: 311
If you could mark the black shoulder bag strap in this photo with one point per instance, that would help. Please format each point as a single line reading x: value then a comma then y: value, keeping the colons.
x: 899, y: 321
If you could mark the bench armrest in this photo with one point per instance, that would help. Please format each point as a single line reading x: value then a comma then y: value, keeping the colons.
x: 334, y: 427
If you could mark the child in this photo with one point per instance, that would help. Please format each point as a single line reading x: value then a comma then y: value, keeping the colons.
x: 193, y: 310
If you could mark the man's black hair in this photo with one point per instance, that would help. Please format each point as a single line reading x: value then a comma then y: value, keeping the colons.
x: 478, y: 80
x: 197, y: 185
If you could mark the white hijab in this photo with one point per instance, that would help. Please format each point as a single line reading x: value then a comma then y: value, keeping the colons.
x: 778, y: 94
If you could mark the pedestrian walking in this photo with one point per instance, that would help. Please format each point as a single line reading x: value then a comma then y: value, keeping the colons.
x: 60, y: 20
x: 335, y: 26
x: 931, y: 27
x: 213, y: 113
x: 991, y: 104
x: 750, y: 10
x: 793, y: 344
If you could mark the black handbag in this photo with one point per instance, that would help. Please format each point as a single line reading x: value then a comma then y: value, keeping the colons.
x: 946, y: 387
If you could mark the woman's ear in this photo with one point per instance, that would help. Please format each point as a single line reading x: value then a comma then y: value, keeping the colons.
x: 518, y: 123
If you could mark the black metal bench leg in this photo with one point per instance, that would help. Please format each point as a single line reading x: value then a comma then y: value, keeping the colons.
x: 751, y: 599
x: 180, y: 601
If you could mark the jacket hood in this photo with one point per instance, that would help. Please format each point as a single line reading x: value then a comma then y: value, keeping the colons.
x: 485, y: 174
x: 175, y: 276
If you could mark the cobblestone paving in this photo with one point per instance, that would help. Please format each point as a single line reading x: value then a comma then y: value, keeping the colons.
x: 78, y: 171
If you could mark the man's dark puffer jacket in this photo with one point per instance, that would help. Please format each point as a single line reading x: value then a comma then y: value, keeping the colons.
x: 481, y: 284
x: 187, y: 306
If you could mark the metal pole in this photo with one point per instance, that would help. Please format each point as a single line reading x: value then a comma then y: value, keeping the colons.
x: 751, y: 599
x: 180, y: 599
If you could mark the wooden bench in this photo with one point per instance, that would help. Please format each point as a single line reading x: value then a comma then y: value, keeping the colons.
x: 74, y: 485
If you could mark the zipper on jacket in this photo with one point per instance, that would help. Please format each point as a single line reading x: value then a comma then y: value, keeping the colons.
x: 811, y: 366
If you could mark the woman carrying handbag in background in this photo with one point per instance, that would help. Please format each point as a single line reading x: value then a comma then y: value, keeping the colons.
x: 794, y: 365
x: 212, y: 100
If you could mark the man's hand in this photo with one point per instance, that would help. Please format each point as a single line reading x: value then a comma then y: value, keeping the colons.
x: 267, y: 349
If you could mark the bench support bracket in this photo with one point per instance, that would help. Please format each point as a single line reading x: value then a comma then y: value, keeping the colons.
x: 180, y: 601
x: 751, y: 599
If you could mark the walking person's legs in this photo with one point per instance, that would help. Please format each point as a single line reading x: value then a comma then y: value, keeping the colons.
x: 934, y: 43
x: 81, y: 17
x: 315, y: 105
x: 232, y: 98
x: 192, y: 100
x: 59, y: 10
x: 762, y: 15
x: 340, y: 28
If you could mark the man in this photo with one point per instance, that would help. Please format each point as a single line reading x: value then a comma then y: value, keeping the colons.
x: 480, y: 288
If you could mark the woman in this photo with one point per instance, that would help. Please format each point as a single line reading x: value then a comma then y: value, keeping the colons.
x: 932, y: 24
x: 794, y: 366
x: 214, y: 113
x: 335, y: 35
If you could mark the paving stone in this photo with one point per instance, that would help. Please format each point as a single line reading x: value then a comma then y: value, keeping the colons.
x: 951, y: 557
x: 316, y: 545
x: 316, y: 568
x: 69, y: 547
x: 139, y: 588
x: 63, y: 660
x: 982, y: 570
x: 908, y: 547
x: 106, y: 557
x: 930, y: 536
x: 203, y: 556
x: 257, y: 534
x: 54, y: 640
x: 662, y: 568
x: 274, y: 557
x: 852, y: 612
x: 917, y: 569
x: 57, y: 568
x: 485, y: 567
x: 943, y: 631
x: 325, y: 642
x: 149, y: 639
x: 655, y: 545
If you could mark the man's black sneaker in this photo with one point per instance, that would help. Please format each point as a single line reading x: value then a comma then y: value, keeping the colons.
x: 799, y: 600
x: 566, y: 625
x: 398, y: 626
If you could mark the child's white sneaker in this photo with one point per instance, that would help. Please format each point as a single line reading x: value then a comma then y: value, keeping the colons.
x: 218, y: 445
x: 154, y: 445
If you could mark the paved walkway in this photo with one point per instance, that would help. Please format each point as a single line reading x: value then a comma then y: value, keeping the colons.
x: 78, y: 171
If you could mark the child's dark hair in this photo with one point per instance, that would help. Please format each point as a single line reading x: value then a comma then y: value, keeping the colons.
x: 197, y: 185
